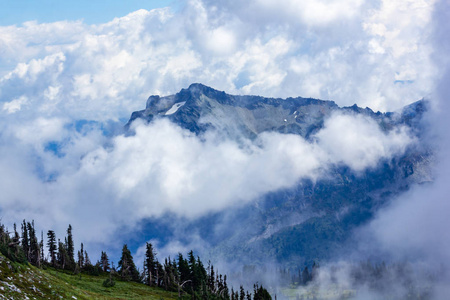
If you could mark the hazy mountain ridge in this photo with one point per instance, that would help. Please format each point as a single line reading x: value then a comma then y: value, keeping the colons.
x: 312, y: 220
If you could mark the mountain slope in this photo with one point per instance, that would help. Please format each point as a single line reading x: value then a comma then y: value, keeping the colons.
x: 311, y: 220
x: 18, y: 281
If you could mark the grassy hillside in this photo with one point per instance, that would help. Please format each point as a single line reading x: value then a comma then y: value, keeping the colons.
x: 18, y: 281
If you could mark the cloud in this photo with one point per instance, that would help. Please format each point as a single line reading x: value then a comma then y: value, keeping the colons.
x: 413, y: 227
x: 14, y: 105
x: 358, y: 142
x: 416, y: 222
x: 101, y: 184
x: 165, y: 168
x: 54, y: 75
x: 375, y: 55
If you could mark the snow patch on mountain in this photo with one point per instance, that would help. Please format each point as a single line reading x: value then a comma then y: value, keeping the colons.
x: 175, y: 108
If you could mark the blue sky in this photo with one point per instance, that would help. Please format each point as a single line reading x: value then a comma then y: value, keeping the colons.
x: 15, y: 12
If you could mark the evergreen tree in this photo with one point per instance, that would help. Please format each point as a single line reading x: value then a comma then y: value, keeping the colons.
x: 261, y: 293
x: 169, y: 275
x: 16, y: 234
x: 62, y: 256
x: 306, y: 277
x: 225, y: 292
x: 249, y: 296
x: 70, y: 248
x: 104, y: 262
x: 25, y: 240
x: 16, y: 242
x: 10, y: 247
x: 241, y: 293
x: 204, y: 293
x: 41, y: 246
x: 150, y: 265
x: 127, y: 268
x: 184, y: 277
x: 176, y: 273
x: 202, y: 271
x: 51, y: 244
x: 34, y: 253
x: 81, y: 257
x: 159, y: 274
x: 211, y: 279
x: 183, y: 268
x: 193, y: 271
x: 87, y: 261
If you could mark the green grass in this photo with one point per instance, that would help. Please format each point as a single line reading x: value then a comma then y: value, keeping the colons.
x: 18, y: 281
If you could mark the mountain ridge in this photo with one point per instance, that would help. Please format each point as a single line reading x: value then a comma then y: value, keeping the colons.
x: 202, y: 108
x: 311, y: 220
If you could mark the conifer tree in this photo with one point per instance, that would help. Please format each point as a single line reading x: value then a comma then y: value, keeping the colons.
x: 225, y: 287
x: 183, y: 268
x: 87, y: 261
x: 41, y: 246
x: 150, y: 265
x: 104, y: 262
x: 81, y: 257
x: 127, y: 268
x: 25, y: 240
x: 241, y: 293
x: 10, y: 247
x: 249, y: 296
x: 193, y: 271
x: 51, y: 244
x: 169, y: 280
x: 159, y: 273
x: 62, y: 257
x: 305, y: 276
x: 16, y: 241
x: 211, y: 279
x: 34, y: 253
x: 176, y: 273
x: 261, y: 293
x: 70, y: 247
x: 202, y: 275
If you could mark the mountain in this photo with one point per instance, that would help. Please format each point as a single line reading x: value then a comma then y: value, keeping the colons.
x: 200, y: 108
x: 312, y: 220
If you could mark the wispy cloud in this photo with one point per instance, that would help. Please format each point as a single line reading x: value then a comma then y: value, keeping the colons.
x: 415, y: 223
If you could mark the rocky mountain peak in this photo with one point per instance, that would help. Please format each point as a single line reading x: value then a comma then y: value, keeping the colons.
x: 200, y: 107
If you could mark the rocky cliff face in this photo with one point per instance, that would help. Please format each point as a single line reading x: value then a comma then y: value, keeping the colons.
x: 199, y: 108
x: 312, y: 220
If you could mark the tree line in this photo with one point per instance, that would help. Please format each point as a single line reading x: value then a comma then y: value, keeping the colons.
x: 185, y: 275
